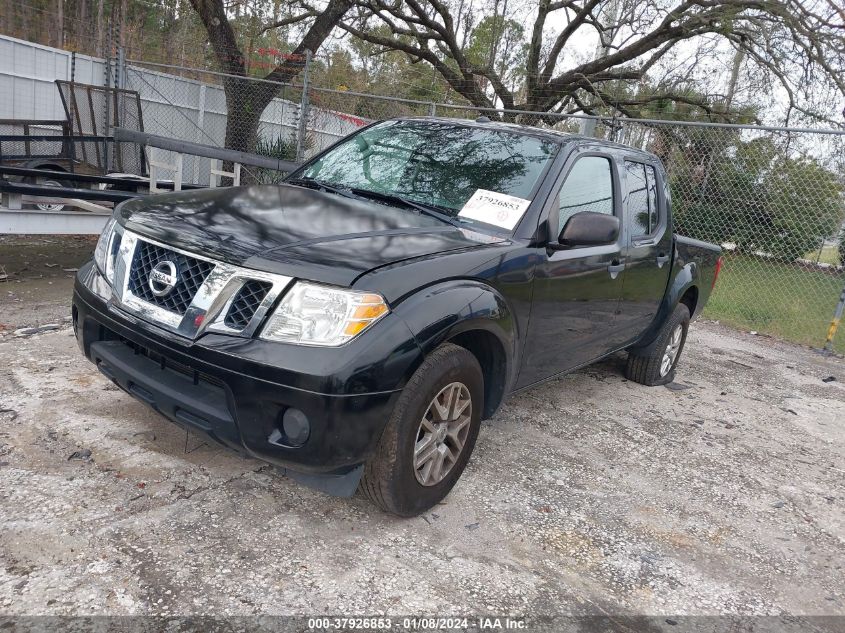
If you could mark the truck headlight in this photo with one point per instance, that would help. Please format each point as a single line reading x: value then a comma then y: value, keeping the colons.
x: 107, y: 247
x: 311, y: 314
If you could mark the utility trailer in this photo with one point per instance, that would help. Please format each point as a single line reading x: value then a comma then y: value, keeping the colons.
x: 83, y: 162
x: 82, y: 142
x: 37, y: 144
x: 77, y: 157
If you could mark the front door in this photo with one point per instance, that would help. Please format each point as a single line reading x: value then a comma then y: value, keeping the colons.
x: 576, y: 291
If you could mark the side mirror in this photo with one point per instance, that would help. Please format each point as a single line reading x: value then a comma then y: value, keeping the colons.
x: 588, y: 229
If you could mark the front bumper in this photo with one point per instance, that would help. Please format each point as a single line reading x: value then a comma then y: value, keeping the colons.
x: 235, y: 391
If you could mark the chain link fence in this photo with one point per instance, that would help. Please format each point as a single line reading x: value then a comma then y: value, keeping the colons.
x: 191, y: 105
x: 772, y: 197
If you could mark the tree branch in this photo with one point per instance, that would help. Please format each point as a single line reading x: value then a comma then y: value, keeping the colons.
x: 293, y: 19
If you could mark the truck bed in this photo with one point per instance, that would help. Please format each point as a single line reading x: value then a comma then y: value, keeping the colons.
x: 706, y: 255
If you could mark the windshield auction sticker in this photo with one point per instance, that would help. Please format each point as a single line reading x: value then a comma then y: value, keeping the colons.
x: 494, y: 208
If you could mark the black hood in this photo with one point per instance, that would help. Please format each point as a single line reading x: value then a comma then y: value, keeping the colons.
x: 293, y: 230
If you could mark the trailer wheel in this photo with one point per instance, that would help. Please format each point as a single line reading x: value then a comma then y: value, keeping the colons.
x: 49, y: 206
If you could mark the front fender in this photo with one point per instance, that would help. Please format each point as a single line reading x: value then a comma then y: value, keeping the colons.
x: 443, y: 311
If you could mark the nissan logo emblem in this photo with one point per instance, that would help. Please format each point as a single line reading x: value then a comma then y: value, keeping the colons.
x: 163, y: 278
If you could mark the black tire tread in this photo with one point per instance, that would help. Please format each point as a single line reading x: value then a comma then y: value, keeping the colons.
x: 375, y: 482
x: 644, y: 364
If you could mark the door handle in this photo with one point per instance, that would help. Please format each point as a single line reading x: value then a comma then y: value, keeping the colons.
x: 615, y: 268
x: 662, y: 259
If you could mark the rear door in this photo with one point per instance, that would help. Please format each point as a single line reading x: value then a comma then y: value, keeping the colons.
x: 576, y: 291
x: 648, y: 260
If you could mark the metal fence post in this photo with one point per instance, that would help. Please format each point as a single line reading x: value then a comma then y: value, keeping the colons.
x: 432, y: 109
x: 303, y: 111
x: 120, y: 71
x: 283, y: 115
x: 200, y: 129
x: 107, y: 70
x: 71, y: 145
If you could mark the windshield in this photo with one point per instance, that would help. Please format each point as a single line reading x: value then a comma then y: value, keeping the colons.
x: 436, y: 164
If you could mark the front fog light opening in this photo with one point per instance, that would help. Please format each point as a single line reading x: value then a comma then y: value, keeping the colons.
x: 293, y: 428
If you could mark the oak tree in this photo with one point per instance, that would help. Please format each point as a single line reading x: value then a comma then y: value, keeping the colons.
x: 246, y: 98
x: 796, y: 44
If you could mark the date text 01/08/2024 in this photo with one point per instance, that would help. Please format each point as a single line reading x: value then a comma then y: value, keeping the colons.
x: 417, y: 623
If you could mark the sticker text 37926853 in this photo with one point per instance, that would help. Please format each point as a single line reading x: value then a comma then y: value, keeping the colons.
x: 494, y: 208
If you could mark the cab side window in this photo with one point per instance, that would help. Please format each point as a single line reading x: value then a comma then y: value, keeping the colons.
x: 643, y: 213
x: 588, y: 187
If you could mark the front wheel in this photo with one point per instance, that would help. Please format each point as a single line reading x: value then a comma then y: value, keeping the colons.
x: 656, y: 363
x: 430, y: 436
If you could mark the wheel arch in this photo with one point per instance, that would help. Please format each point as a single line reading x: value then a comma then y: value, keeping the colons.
x: 690, y: 298
x: 46, y: 164
x: 682, y: 288
x: 490, y: 353
x: 474, y: 316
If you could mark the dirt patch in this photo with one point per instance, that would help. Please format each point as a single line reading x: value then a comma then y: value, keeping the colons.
x: 36, y: 276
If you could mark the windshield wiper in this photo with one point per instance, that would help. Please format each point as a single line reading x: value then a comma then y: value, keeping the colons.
x: 313, y: 183
x: 358, y: 193
x: 430, y: 210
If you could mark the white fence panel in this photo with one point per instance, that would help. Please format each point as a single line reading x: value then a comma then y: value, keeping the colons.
x: 27, y: 75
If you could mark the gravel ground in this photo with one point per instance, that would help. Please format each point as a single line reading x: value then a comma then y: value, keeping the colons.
x: 587, y: 495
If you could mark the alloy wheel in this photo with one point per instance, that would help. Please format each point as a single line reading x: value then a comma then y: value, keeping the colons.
x: 442, y: 433
x: 672, y: 350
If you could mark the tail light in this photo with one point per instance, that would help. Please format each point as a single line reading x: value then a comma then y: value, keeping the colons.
x: 716, y: 274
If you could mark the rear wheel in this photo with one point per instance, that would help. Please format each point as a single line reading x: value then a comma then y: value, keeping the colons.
x: 656, y: 363
x: 430, y: 436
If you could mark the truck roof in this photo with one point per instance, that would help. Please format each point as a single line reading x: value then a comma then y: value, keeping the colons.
x: 527, y: 130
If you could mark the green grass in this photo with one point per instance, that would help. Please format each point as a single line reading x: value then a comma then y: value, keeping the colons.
x: 779, y: 299
x: 829, y: 255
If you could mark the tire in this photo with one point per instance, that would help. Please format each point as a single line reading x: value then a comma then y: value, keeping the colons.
x: 647, y: 365
x: 391, y: 478
x: 48, y: 182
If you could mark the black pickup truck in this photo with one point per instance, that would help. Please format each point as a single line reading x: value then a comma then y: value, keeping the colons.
x: 355, y: 325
